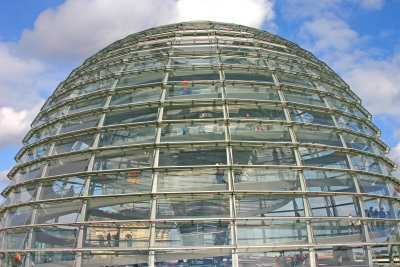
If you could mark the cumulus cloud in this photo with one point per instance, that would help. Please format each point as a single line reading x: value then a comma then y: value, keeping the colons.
x: 371, y: 4
x: 78, y: 28
x: 15, y: 124
x: 395, y: 156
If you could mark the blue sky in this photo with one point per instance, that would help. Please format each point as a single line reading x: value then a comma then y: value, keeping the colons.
x: 41, y: 42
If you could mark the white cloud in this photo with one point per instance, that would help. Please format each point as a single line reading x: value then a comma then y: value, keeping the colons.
x: 372, y: 4
x: 15, y: 124
x: 79, y: 28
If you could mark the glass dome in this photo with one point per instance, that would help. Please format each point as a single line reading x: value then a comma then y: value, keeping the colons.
x: 202, y: 144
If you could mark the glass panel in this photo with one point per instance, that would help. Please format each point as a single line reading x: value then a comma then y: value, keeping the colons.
x: 257, y: 205
x: 275, y: 258
x: 121, y: 183
x: 68, y: 187
x: 86, y: 104
x: 179, y: 112
x: 295, y: 80
x: 256, y: 112
x: 323, y: 158
x: 100, y: 85
x: 79, y: 123
x: 197, y: 234
x: 21, y: 194
x: 112, y: 258
x: 140, y: 78
x: 342, y: 256
x: 305, y: 98
x: 138, y: 95
x: 383, y: 231
x: 259, y: 155
x: 190, y: 90
x: 193, y: 206
x: 192, y: 180
x: 317, y: 136
x: 244, y: 131
x: 65, y: 258
x: 271, y: 232
x: 63, y: 236
x: 243, y: 61
x: 146, y: 65
x: 17, y: 216
x: 28, y: 173
x: 366, y: 163
x: 253, y: 75
x: 333, y: 206
x: 122, y: 208
x: 109, y: 160
x: 376, y: 185
x: 58, y: 212
x: 335, y: 90
x: 193, y: 75
x: 192, y: 132
x: 342, y: 232
x: 137, y: 135
x: 358, y: 142
x: 381, y: 208
x: 131, y: 116
x: 310, y: 116
x: 35, y: 153
x: 251, y: 92
x: 75, y: 143
x: 270, y: 179
x: 334, y: 103
x: 43, y: 133
x: 15, y: 239
x: 354, y: 125
x: 329, y: 181
x: 71, y: 164
x: 192, y: 155
x: 187, y: 61
x: 121, y: 236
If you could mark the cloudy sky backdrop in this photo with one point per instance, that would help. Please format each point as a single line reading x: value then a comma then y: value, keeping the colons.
x: 41, y: 42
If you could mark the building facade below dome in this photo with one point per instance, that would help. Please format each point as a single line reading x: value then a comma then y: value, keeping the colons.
x: 202, y: 144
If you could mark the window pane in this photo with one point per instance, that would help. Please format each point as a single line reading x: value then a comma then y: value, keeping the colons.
x: 192, y: 206
x: 192, y: 155
x: 121, y: 183
x: 59, y: 212
x: 137, y: 135
x: 191, y: 90
x: 198, y: 234
x: 323, y: 158
x: 257, y: 205
x: 345, y: 231
x: 256, y: 112
x: 192, y: 132
x: 85, y: 104
x: 140, y: 78
x: 295, y: 80
x: 251, y: 92
x: 192, y: 180
x: 73, y: 144
x: 243, y: 61
x: 55, y: 237
x: 310, y: 116
x: 109, y: 160
x: 131, y: 116
x: 138, y: 95
x: 179, y: 112
x: 271, y: 232
x: 79, y: 123
x: 259, y: 155
x: 193, y: 75
x: 354, y: 125
x: 71, y: 164
x: 358, y: 142
x: 329, y: 181
x: 253, y: 75
x: 333, y: 206
x: 123, y: 208
x: 187, y: 61
x: 100, y: 85
x: 376, y: 185
x: 68, y: 187
x: 305, y: 98
x: 259, y: 132
x: 366, y: 163
x: 259, y: 179
x: 317, y: 136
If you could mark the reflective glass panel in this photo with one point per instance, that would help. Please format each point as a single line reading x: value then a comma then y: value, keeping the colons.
x: 109, y: 160
x: 99, y: 85
x: 58, y: 212
x: 256, y: 112
x: 310, y: 116
x: 192, y: 155
x: 131, y: 115
x: 75, y: 143
x: 179, y: 112
x: 67, y: 187
x: 242, y: 91
x: 140, y: 78
x: 86, y: 104
x: 193, y: 75
x: 190, y: 90
x: 192, y: 132
x: 259, y: 132
x: 333, y: 206
x: 317, y: 136
x: 329, y: 181
x: 137, y: 135
x: 305, y: 98
x: 137, y: 95
x: 79, y: 123
x: 63, y: 236
x: 323, y: 158
x: 259, y: 155
x: 253, y: 75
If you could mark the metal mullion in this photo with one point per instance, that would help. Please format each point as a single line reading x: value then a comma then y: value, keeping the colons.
x: 153, y: 208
